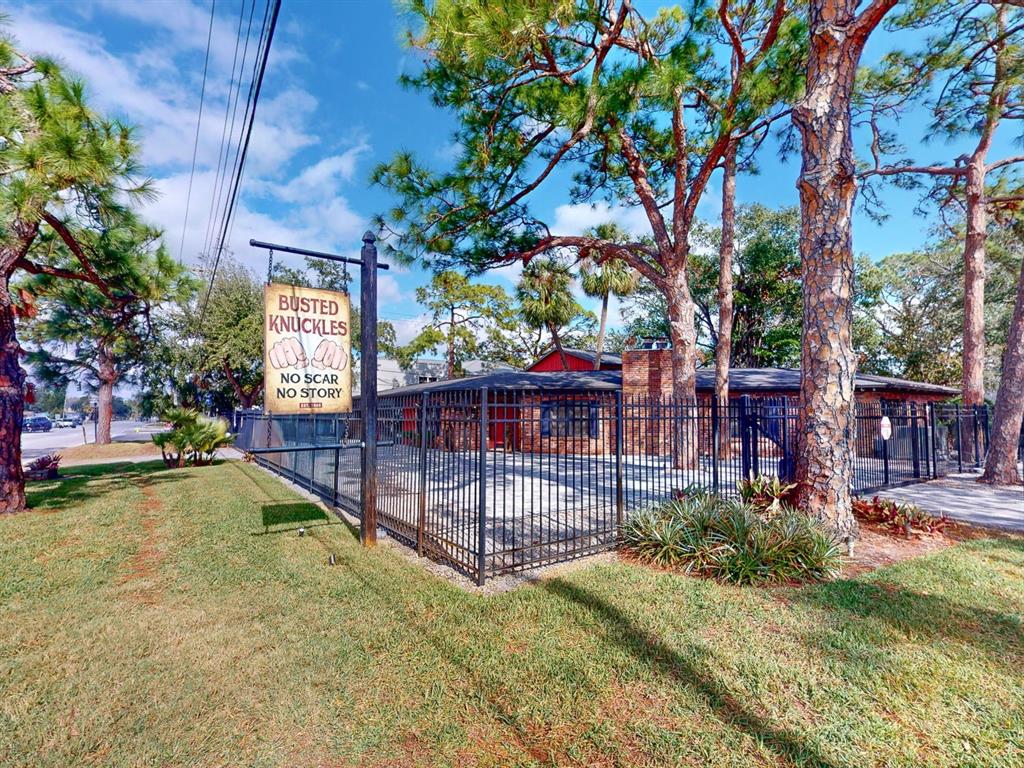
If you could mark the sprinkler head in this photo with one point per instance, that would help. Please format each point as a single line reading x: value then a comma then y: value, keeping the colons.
x: 302, y: 531
x: 331, y: 560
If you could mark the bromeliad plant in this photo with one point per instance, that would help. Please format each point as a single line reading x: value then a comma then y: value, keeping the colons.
x: 193, y: 438
x: 44, y: 467
x: 767, y: 495
x: 705, y: 535
x: 897, y: 517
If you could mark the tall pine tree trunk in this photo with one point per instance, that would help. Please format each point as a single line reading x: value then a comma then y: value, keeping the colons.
x: 723, y: 347
x: 601, y: 331
x: 683, y: 334
x: 105, y: 396
x: 974, y: 284
x: 682, y: 325
x: 12, y: 404
x: 12, y: 376
x: 1001, y: 464
x: 450, y: 358
x: 827, y: 186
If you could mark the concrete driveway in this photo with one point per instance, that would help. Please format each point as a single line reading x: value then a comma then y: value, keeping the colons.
x: 963, y: 498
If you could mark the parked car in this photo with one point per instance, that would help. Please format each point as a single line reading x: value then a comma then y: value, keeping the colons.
x: 63, y: 422
x: 37, y: 424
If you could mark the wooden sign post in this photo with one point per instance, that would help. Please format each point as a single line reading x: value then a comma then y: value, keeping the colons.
x: 281, y: 357
x: 368, y: 388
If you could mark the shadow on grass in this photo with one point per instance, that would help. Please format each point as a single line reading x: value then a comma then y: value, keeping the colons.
x: 690, y: 670
x: 297, y: 512
x: 286, y: 509
x: 860, y: 606
x: 83, y: 482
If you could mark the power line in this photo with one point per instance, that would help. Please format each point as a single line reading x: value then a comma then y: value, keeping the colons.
x: 230, y: 109
x: 233, y: 197
x: 199, y: 122
x: 248, y: 103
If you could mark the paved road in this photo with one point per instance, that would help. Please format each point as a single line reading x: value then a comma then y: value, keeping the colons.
x: 35, y: 444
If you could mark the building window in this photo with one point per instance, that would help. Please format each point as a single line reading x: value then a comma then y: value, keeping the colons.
x: 427, y: 379
x: 569, y: 419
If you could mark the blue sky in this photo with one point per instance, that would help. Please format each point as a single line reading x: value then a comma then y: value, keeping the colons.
x: 332, y: 108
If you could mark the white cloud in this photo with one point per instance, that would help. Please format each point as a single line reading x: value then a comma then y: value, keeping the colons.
x: 389, y: 292
x: 574, y: 219
x: 407, y: 329
x: 362, y: 85
x: 321, y: 179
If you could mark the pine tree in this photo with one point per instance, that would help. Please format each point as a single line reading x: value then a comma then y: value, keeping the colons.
x: 92, y: 337
x: 969, y: 75
x: 637, y: 110
x: 61, y: 165
x: 827, y: 185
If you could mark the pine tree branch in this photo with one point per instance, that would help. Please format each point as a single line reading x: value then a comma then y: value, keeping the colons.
x: 76, y: 248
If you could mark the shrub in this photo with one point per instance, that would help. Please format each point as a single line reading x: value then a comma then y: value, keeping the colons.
x: 705, y: 535
x: 45, y: 463
x: 43, y: 467
x: 193, y: 438
x: 766, y: 494
x: 897, y: 517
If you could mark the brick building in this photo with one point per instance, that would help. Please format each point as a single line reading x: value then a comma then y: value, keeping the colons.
x: 579, y: 411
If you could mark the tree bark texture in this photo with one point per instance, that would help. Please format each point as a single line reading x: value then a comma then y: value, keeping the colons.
x: 723, y: 346
x: 974, y: 284
x: 1001, y: 464
x: 683, y: 332
x: 12, y: 405
x: 245, y: 398
x: 12, y: 375
x: 827, y: 186
x: 105, y: 396
x: 450, y: 358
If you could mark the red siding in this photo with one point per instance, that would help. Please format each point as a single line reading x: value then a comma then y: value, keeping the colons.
x: 552, y: 362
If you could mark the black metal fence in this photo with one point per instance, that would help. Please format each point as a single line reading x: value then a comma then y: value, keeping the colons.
x: 494, y: 482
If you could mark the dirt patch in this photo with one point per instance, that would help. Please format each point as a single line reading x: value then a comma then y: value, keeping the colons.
x: 146, y: 560
x: 875, y: 549
x: 84, y: 454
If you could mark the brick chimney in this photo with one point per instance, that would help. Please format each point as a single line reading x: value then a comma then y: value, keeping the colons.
x: 647, y: 370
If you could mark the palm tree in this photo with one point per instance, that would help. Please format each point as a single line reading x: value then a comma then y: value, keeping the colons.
x: 601, y: 278
x: 545, y: 298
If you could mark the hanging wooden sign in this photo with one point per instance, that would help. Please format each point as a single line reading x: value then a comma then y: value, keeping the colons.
x: 307, y: 350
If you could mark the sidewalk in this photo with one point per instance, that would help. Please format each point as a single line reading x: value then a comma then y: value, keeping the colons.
x: 962, y: 498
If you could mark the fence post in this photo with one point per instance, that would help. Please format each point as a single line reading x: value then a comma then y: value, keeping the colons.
x: 337, y: 465
x: 788, y: 460
x: 744, y: 437
x: 935, y: 440
x: 421, y: 522
x: 885, y: 450
x: 368, y: 389
x: 482, y: 511
x: 959, y: 442
x: 755, y: 410
x: 618, y: 460
x: 977, y: 451
x: 714, y: 442
x: 915, y: 448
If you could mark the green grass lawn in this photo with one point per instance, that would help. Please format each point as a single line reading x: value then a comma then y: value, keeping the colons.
x: 154, y: 617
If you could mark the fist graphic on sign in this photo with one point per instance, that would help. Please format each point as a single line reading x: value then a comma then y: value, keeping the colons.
x: 331, y: 355
x: 288, y: 353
